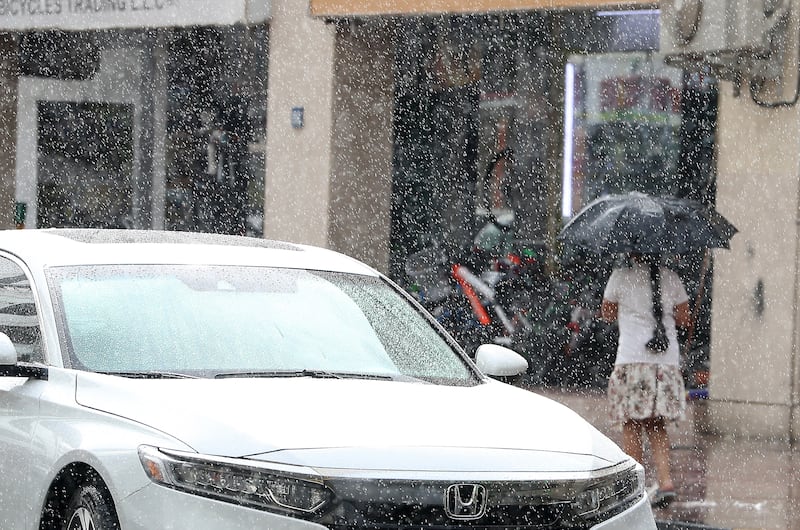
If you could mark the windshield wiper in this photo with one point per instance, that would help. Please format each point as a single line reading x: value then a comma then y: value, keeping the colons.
x: 150, y: 374
x: 279, y: 373
x: 320, y: 374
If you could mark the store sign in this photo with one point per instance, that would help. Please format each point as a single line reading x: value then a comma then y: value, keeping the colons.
x: 412, y: 7
x: 102, y: 14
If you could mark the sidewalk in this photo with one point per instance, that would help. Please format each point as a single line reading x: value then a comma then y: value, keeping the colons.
x: 721, y: 482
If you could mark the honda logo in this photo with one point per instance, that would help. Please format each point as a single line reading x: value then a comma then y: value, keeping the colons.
x: 465, y: 501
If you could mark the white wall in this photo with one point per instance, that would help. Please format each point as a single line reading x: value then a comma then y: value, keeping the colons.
x: 362, y: 144
x: 298, y: 162
x: 754, y: 380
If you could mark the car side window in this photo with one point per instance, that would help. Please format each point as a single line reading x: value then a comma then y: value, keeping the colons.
x: 18, y: 317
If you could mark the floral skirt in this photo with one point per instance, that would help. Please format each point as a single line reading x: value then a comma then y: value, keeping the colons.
x: 641, y: 391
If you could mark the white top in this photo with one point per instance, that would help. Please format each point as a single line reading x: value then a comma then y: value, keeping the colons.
x: 630, y: 289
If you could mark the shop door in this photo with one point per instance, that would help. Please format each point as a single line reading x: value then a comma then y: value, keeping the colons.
x: 84, y: 165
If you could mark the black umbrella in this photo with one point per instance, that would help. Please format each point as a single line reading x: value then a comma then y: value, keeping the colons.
x: 636, y: 222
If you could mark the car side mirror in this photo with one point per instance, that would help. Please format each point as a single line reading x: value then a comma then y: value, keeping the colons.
x: 10, y: 365
x: 498, y: 361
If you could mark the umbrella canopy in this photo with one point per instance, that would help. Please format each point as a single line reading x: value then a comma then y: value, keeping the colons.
x: 636, y: 222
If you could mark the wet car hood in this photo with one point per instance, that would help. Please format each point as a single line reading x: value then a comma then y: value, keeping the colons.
x: 359, y: 424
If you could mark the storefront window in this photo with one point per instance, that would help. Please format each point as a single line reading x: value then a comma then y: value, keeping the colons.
x: 144, y: 129
x: 471, y: 128
x: 622, y: 127
x: 216, y: 127
x: 84, y: 164
x: 505, y: 127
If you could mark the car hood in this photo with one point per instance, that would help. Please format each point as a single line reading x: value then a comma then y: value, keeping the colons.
x: 359, y: 424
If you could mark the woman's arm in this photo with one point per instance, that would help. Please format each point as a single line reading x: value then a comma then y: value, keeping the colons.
x: 608, y: 311
x: 683, y: 315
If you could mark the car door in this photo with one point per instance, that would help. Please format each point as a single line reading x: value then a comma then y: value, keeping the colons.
x: 19, y: 398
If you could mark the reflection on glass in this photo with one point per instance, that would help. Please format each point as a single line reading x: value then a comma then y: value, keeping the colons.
x: 18, y: 317
x: 622, y: 127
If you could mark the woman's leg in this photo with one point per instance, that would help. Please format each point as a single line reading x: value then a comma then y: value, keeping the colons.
x: 632, y: 439
x: 656, y: 431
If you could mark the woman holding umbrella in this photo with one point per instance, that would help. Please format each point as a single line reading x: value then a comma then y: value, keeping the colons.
x: 646, y: 388
x: 648, y: 301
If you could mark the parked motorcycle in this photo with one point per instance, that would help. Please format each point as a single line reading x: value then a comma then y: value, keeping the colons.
x: 495, y: 291
x: 580, y: 347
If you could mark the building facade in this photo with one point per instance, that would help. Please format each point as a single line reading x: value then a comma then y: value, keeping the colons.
x: 136, y: 114
x: 369, y: 126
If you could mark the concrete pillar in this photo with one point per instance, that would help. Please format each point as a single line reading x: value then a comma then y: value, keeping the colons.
x: 298, y: 161
x: 362, y: 143
x: 8, y: 127
x: 754, y: 357
x: 149, y: 193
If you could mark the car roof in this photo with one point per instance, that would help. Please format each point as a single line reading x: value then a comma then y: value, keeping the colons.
x: 53, y: 247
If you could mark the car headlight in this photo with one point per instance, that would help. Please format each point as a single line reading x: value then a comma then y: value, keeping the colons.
x: 605, y: 497
x: 235, y: 481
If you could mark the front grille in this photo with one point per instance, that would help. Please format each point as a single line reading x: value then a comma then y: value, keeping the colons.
x: 393, y: 504
x: 393, y: 517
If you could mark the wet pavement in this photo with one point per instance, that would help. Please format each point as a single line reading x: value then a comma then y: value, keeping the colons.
x: 722, y: 482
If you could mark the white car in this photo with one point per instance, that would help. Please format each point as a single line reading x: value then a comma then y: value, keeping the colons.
x: 162, y: 380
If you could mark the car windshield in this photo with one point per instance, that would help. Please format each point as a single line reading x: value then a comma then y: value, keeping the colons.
x: 214, y: 321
